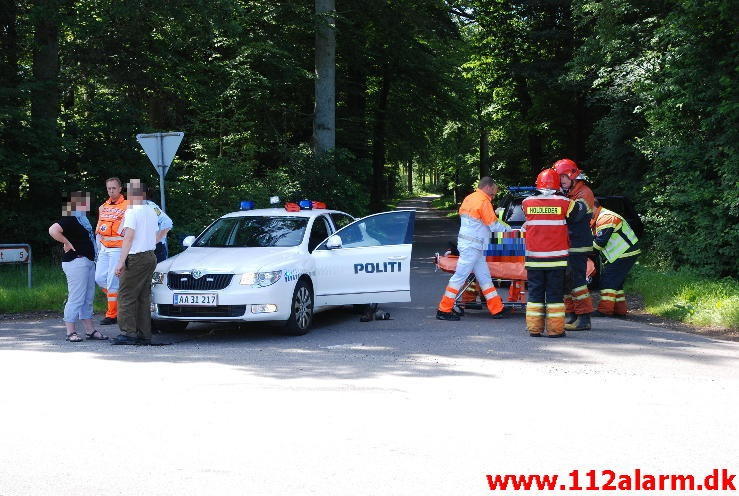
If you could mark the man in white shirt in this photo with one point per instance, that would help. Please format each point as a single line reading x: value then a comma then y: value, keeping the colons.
x: 135, y: 268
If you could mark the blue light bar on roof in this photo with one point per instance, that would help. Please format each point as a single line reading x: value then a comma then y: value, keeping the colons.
x: 246, y: 205
x: 521, y: 188
x: 306, y: 205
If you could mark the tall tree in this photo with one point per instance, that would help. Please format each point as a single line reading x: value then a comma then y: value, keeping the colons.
x: 324, y: 119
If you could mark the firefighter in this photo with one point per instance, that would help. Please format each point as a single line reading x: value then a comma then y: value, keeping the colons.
x: 108, y: 233
x: 547, y: 250
x: 619, y: 247
x: 578, y: 303
x: 478, y: 220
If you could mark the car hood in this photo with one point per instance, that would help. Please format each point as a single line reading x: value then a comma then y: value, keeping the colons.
x: 229, y: 260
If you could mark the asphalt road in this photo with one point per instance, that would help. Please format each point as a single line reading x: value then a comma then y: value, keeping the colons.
x: 401, y: 407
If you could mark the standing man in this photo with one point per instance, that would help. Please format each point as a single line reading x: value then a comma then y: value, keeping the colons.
x: 165, y: 225
x: 619, y: 246
x: 108, y: 234
x: 547, y: 245
x: 578, y: 304
x: 478, y: 220
x: 135, y: 268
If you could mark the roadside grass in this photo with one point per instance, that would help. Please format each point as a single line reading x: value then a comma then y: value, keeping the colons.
x: 48, y: 294
x: 685, y: 296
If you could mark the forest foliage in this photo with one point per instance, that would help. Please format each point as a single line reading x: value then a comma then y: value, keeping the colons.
x: 429, y: 95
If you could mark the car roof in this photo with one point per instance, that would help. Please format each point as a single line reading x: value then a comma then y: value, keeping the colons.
x: 281, y: 212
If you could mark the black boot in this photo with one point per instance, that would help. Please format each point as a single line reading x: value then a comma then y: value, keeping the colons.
x: 570, y: 317
x: 506, y: 311
x: 446, y: 315
x: 582, y: 323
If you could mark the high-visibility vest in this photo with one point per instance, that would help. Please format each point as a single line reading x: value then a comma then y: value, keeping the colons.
x: 547, y: 242
x: 109, y: 222
x: 622, y: 240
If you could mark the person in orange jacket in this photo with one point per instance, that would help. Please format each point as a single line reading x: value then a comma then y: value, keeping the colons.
x: 547, y: 249
x: 108, y: 233
x: 578, y: 303
x: 478, y: 220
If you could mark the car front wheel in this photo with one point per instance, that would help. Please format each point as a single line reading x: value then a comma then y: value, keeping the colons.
x: 301, y: 310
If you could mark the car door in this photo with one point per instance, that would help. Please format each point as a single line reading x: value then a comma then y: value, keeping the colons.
x: 371, y: 266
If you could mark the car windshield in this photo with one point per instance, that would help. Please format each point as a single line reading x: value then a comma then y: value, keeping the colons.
x: 516, y: 214
x: 253, y: 232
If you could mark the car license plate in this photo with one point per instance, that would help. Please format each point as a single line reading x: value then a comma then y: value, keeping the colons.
x: 196, y: 300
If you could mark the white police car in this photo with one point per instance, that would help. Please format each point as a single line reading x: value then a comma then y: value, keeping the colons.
x: 283, y: 264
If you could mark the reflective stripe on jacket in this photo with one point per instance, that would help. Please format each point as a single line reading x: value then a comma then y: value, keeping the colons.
x: 547, y: 242
x: 581, y: 236
x: 109, y: 223
x: 614, y: 238
x: 477, y: 220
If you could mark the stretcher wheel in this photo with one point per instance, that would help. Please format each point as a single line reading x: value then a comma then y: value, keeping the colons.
x: 457, y: 310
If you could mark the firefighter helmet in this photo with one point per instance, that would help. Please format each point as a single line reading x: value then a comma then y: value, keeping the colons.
x: 567, y: 167
x: 547, y: 179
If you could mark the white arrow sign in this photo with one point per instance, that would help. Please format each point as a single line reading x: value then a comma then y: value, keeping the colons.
x: 160, y: 148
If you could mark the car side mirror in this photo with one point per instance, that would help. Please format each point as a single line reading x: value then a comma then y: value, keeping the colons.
x: 188, y: 241
x: 333, y: 242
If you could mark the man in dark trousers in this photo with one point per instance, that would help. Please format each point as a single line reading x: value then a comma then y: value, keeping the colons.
x: 578, y: 303
x: 547, y: 246
x: 135, y: 268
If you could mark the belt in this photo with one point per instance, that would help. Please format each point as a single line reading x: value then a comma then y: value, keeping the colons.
x: 140, y: 253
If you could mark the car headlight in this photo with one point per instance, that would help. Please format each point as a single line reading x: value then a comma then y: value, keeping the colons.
x: 261, y: 279
x: 157, y: 278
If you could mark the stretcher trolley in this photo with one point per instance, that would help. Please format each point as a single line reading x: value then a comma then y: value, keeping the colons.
x: 506, y: 257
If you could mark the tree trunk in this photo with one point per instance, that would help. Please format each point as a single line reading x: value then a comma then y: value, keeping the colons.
x: 44, y: 175
x: 484, y: 143
x: 536, y: 155
x: 484, y: 152
x: 324, y: 118
x: 45, y: 90
x: 582, y: 127
x: 378, y: 141
x: 409, y: 175
x: 10, y: 133
x: 352, y: 120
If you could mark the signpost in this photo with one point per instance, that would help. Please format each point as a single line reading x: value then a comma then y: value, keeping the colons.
x: 18, y: 254
x: 161, y: 148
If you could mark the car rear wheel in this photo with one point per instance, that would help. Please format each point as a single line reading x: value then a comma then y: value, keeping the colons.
x: 301, y: 310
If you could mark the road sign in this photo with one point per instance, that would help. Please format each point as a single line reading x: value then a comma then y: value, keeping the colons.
x: 161, y: 148
x: 17, y: 253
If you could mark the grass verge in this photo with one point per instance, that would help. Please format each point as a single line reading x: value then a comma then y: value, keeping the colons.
x: 686, y: 296
x: 48, y: 294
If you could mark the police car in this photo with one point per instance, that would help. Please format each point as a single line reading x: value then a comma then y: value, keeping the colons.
x: 284, y: 264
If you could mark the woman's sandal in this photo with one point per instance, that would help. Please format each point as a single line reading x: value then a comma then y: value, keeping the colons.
x: 96, y: 336
x: 74, y: 338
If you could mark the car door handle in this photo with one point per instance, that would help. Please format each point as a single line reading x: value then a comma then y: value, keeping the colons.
x: 398, y: 257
